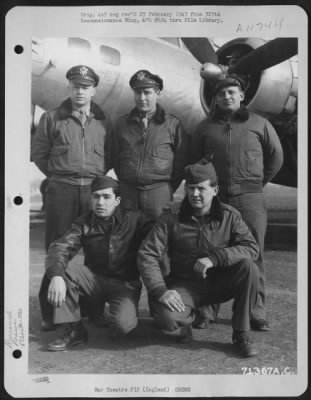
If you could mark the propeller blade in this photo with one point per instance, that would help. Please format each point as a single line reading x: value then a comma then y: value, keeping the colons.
x: 201, y: 49
x: 266, y: 56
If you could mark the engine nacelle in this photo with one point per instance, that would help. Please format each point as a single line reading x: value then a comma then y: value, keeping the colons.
x: 269, y: 92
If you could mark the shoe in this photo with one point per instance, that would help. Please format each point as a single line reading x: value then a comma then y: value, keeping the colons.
x: 243, y: 344
x: 185, y: 335
x: 260, y: 325
x: 200, y: 322
x: 47, y: 326
x: 71, y: 338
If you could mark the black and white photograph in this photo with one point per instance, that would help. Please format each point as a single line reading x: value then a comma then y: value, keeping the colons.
x: 158, y: 220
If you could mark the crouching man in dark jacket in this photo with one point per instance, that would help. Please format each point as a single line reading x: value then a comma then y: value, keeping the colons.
x: 211, y: 251
x: 110, y: 239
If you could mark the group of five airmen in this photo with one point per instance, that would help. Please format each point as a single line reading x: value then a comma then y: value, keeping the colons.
x: 190, y: 257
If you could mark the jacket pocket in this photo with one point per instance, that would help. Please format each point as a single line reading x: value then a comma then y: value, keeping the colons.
x: 254, y: 163
x: 99, y: 150
x: 163, y: 151
x: 59, y: 159
x: 161, y: 161
x: 59, y: 150
x: 99, y: 158
x: 128, y: 162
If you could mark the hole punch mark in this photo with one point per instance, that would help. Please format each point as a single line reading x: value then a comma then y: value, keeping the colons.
x: 17, y: 354
x: 18, y: 49
x: 18, y: 200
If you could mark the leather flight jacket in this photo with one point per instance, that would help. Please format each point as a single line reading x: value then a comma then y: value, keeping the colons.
x: 108, y: 250
x: 221, y: 235
x: 145, y: 156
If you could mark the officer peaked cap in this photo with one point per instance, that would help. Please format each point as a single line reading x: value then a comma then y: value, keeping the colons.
x: 104, y: 182
x: 200, y: 172
x: 229, y: 80
x: 82, y: 74
x: 145, y: 79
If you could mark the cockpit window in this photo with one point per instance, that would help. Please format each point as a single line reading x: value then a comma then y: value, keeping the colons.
x: 110, y: 55
x: 78, y: 43
x: 172, y: 40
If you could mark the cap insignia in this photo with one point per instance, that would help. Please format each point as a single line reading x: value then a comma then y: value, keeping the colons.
x: 83, y: 71
x: 141, y: 75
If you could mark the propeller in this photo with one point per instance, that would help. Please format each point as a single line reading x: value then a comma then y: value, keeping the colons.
x: 266, y: 56
x: 201, y: 49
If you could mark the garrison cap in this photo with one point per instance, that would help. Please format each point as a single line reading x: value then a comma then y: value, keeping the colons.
x: 104, y: 182
x: 200, y: 172
x: 145, y: 79
x: 228, y: 80
x: 83, y: 74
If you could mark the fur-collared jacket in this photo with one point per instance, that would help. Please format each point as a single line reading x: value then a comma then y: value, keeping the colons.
x: 146, y: 156
x: 65, y: 150
x: 221, y: 235
x: 244, y: 148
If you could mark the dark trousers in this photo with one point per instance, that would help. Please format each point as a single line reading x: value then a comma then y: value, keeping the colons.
x: 238, y: 282
x: 151, y: 201
x: 122, y: 296
x: 64, y: 203
x: 252, y: 207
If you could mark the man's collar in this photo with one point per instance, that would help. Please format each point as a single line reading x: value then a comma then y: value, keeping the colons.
x: 158, y: 116
x: 117, y: 215
x: 86, y: 111
x: 148, y: 115
x: 186, y: 211
x: 205, y: 216
x: 242, y: 114
x: 65, y: 110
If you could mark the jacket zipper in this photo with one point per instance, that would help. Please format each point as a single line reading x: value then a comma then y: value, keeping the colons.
x: 142, y: 152
x: 200, y: 240
x: 229, y: 154
x: 202, y: 252
x: 83, y: 154
x: 110, y: 246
